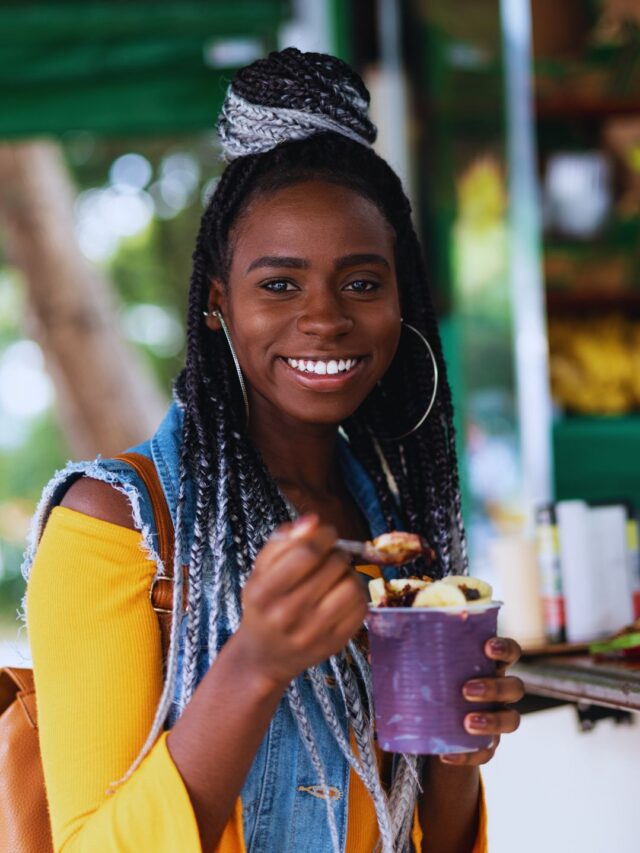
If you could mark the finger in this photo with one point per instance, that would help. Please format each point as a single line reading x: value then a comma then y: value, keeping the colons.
x: 347, y: 592
x: 343, y: 608
x: 507, y: 690
x: 344, y: 627
x: 300, y: 557
x: 502, y: 649
x: 314, y: 587
x: 492, y: 722
x: 280, y: 539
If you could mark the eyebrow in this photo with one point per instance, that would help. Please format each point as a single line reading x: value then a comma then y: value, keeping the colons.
x: 362, y: 258
x: 280, y: 261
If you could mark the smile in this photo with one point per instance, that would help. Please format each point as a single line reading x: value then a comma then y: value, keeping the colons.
x: 323, y: 367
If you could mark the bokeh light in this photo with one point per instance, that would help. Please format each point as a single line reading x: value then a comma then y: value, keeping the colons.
x: 26, y: 391
x: 154, y: 326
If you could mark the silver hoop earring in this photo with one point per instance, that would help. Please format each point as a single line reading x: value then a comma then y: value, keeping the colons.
x: 218, y: 315
x: 427, y: 411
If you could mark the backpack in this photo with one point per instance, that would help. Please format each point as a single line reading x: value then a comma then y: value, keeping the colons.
x: 24, y: 815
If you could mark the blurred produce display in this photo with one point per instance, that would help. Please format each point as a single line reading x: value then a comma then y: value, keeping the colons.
x: 586, y: 53
x: 588, y: 271
x: 595, y: 364
x: 587, y: 92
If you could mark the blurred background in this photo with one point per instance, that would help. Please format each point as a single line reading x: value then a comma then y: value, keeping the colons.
x: 515, y: 125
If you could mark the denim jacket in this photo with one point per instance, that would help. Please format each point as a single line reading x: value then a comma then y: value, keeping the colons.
x: 282, y: 804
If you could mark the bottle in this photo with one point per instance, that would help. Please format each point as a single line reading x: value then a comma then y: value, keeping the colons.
x: 548, y: 546
x: 633, y: 553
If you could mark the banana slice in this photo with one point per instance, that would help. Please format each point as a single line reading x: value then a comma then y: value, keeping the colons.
x: 440, y: 594
x: 376, y: 591
x: 474, y: 590
x: 379, y: 592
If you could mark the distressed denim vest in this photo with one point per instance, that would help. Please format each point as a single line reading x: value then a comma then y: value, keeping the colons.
x: 283, y: 805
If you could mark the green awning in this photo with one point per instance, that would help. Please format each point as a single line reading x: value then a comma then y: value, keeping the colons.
x: 125, y: 66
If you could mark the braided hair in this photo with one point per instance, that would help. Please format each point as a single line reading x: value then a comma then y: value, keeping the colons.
x: 289, y: 118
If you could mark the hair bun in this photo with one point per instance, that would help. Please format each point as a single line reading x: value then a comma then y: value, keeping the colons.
x: 292, y: 95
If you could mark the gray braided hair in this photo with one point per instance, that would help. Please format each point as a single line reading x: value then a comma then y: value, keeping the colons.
x: 255, y: 119
x: 247, y: 128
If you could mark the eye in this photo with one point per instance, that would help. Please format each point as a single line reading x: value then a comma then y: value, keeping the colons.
x: 278, y: 285
x: 362, y: 286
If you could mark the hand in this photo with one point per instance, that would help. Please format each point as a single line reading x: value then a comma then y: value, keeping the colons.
x: 500, y: 690
x: 302, y: 603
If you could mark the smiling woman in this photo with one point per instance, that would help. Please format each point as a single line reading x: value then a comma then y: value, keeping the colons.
x: 327, y: 295
x: 306, y: 271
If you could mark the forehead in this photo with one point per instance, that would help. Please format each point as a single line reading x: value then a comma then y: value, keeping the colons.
x: 313, y: 219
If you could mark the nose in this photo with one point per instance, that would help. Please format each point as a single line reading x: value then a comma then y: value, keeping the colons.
x: 324, y: 316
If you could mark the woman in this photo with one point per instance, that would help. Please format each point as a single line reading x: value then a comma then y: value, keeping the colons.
x: 301, y: 408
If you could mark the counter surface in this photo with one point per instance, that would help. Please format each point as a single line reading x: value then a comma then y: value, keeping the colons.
x: 580, y: 678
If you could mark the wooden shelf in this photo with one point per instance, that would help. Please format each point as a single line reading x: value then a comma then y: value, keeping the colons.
x: 571, y: 107
x: 595, y: 300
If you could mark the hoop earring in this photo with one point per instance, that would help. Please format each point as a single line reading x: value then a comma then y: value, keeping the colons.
x: 218, y: 315
x: 427, y: 411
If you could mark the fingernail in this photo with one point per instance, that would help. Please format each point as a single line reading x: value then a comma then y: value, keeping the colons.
x: 475, y: 688
x: 303, y: 524
x: 449, y: 759
x: 498, y: 646
x: 478, y: 721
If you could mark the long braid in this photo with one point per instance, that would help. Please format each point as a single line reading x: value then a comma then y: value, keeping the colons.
x: 365, y: 770
x: 403, y: 797
x: 199, y: 556
x: 297, y: 708
x: 218, y: 549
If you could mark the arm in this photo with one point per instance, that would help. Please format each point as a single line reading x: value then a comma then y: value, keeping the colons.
x: 451, y: 808
x: 301, y: 605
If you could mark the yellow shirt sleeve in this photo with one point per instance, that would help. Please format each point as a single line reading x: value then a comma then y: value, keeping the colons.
x: 97, y: 663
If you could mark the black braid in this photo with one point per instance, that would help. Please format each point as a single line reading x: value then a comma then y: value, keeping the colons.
x: 307, y: 81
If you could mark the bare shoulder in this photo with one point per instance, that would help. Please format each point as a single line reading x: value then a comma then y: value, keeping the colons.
x: 99, y: 500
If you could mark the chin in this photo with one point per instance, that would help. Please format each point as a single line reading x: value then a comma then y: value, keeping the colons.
x: 322, y: 418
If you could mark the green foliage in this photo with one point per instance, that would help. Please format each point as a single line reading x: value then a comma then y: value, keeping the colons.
x: 150, y: 268
x: 23, y: 470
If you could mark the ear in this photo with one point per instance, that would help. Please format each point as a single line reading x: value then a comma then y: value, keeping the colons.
x: 217, y: 300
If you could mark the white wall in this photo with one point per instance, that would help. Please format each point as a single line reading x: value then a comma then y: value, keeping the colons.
x: 554, y: 789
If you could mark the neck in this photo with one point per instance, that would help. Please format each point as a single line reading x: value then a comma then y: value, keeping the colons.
x: 299, y: 456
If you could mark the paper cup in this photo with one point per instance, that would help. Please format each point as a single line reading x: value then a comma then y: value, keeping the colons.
x: 420, y: 659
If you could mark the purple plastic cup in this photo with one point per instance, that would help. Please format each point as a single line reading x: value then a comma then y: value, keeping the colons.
x: 420, y: 658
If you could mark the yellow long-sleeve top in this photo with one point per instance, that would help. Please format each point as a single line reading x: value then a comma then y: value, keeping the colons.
x: 97, y: 663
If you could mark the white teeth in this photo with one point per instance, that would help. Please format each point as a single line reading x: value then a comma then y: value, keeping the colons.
x: 322, y: 367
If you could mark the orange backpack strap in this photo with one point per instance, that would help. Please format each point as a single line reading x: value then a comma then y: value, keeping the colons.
x: 162, y: 587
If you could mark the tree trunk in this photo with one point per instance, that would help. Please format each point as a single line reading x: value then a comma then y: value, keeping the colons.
x: 107, y: 399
